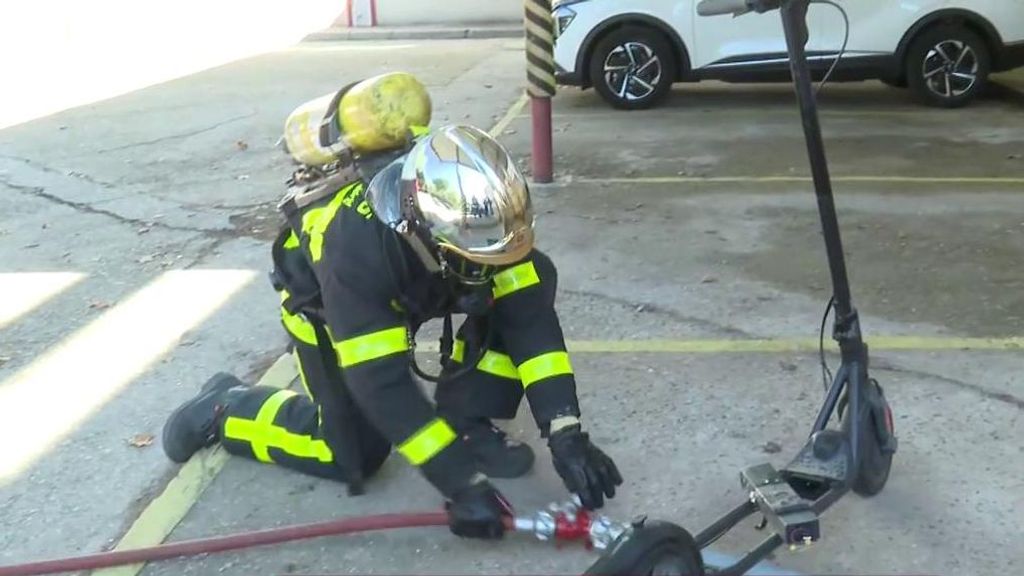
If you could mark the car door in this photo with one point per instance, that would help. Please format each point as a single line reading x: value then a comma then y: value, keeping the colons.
x: 876, y: 26
x: 752, y: 40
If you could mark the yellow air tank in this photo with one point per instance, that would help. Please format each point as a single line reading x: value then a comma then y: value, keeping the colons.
x: 374, y: 114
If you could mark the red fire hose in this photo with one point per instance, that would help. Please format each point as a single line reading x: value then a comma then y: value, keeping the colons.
x: 559, y: 523
x: 231, y: 542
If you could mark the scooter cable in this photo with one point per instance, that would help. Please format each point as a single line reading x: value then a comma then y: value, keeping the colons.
x: 826, y: 374
x: 846, y: 40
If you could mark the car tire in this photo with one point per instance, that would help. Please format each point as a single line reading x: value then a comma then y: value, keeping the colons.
x: 947, y: 66
x: 633, y: 67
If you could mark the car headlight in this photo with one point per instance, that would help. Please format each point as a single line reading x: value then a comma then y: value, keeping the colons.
x: 563, y: 17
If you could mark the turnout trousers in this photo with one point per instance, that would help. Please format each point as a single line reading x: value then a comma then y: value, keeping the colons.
x: 296, y: 430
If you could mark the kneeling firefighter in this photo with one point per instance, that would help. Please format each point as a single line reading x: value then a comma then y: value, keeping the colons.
x: 391, y: 225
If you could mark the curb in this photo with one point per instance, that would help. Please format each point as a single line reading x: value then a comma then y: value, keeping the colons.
x: 1007, y: 90
x: 418, y: 33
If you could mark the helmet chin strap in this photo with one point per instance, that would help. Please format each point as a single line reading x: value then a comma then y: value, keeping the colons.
x: 437, y: 264
x: 431, y: 262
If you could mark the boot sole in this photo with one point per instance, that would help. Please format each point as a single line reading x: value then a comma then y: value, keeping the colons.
x: 218, y: 383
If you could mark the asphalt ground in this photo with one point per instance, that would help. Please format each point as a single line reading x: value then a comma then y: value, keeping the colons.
x: 692, y: 282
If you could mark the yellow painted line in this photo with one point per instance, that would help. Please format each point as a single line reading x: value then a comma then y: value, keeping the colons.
x: 77, y: 376
x: 661, y: 114
x: 802, y: 179
x: 714, y: 346
x: 510, y: 115
x: 23, y: 292
x: 164, y: 513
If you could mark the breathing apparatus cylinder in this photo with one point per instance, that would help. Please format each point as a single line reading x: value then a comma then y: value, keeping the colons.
x: 372, y: 115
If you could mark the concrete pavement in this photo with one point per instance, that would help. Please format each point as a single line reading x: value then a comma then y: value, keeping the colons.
x: 651, y: 247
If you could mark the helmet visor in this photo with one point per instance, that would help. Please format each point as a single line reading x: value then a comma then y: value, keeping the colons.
x: 385, y: 193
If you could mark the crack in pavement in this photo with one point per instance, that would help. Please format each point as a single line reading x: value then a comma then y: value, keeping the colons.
x: 178, y: 136
x: 40, y: 192
x: 65, y: 173
x: 721, y: 329
x: 1004, y: 397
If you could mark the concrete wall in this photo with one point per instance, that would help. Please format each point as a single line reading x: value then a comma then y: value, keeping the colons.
x: 448, y: 12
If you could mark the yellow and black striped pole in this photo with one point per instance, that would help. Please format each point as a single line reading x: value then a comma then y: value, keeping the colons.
x: 540, y: 76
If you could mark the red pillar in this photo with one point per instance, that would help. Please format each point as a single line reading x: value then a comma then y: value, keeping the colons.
x: 543, y: 161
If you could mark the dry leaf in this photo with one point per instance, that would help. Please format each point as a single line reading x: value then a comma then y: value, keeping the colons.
x: 709, y: 279
x: 242, y: 145
x: 141, y: 440
x: 99, y: 305
x: 4, y: 360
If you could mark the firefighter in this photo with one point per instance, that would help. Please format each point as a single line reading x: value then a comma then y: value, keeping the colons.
x: 443, y: 226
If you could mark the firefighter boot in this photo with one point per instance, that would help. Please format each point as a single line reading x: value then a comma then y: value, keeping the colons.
x: 495, y: 455
x: 193, y: 425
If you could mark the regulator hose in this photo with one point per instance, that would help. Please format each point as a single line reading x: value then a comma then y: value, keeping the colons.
x: 230, y: 542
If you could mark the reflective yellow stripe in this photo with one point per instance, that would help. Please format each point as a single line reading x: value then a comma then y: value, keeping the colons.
x: 418, y: 131
x: 292, y: 241
x: 297, y: 325
x: 515, y: 278
x: 262, y: 434
x: 427, y: 442
x: 544, y: 366
x: 302, y: 374
x: 492, y: 362
x: 372, y: 346
x: 316, y: 220
x: 498, y: 364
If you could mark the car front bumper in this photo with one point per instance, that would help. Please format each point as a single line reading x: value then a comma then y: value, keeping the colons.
x: 566, y: 78
x: 1011, y: 56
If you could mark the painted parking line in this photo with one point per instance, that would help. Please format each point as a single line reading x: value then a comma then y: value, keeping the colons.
x: 785, y: 112
x: 511, y: 114
x: 881, y: 179
x: 164, y: 513
x: 76, y: 377
x: 23, y: 292
x: 775, y: 345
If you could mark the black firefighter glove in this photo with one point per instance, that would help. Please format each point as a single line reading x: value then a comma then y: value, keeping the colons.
x: 478, y: 511
x: 584, y: 468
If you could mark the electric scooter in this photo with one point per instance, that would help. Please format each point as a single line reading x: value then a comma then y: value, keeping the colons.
x: 855, y: 455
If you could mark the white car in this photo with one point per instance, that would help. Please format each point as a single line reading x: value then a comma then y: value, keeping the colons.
x: 632, y: 52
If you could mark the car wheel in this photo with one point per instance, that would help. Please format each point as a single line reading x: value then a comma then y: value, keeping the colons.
x: 633, y: 68
x: 948, y: 66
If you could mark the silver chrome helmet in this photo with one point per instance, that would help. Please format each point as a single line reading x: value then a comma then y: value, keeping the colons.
x: 460, y: 193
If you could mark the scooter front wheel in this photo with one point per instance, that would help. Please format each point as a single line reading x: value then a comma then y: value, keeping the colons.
x: 652, y: 549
